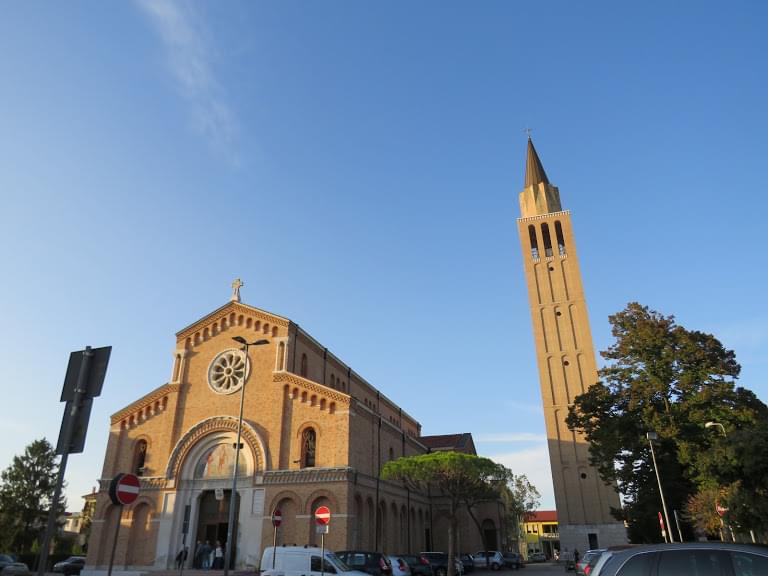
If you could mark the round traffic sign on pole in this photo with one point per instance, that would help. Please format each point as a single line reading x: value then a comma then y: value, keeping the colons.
x: 323, y: 515
x: 124, y: 489
x: 721, y: 510
x: 277, y: 517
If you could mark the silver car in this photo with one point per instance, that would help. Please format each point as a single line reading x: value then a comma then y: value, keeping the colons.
x: 695, y: 558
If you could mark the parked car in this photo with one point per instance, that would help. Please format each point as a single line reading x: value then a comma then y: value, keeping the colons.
x: 537, y: 557
x: 468, y: 561
x: 439, y: 562
x: 9, y: 566
x: 301, y: 561
x: 71, y: 566
x: 717, y: 558
x: 491, y: 559
x: 374, y: 563
x: 399, y: 566
x: 512, y: 560
x: 418, y: 564
x: 587, y: 562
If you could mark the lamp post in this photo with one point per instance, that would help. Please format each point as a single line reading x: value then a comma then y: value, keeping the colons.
x: 233, y: 495
x: 722, y: 428
x: 651, y: 437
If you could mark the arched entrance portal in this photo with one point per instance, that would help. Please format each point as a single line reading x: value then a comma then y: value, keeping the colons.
x: 213, y: 521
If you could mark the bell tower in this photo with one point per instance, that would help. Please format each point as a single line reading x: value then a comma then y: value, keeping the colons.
x: 566, y: 361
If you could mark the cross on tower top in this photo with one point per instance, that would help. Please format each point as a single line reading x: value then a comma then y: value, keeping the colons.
x: 236, y: 285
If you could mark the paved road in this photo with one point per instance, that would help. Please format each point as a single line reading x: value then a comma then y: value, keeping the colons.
x: 543, y: 569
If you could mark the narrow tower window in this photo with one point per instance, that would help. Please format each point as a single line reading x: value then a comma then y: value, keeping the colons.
x: 308, y: 445
x: 559, y: 236
x: 140, y: 457
x: 547, y: 240
x: 534, y: 242
x: 303, y: 370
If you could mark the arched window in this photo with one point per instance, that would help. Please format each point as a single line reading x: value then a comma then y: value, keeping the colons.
x: 140, y: 457
x: 281, y: 356
x: 303, y: 369
x: 333, y: 381
x: 547, y: 239
x: 559, y: 236
x: 534, y: 242
x: 308, y: 448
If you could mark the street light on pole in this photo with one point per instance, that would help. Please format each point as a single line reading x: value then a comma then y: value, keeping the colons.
x: 233, y: 495
x: 722, y: 428
x: 651, y: 437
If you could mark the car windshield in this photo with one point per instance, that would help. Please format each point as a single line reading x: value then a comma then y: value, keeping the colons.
x: 337, y: 562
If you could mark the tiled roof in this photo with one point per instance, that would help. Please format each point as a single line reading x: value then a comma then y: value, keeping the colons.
x: 542, y: 516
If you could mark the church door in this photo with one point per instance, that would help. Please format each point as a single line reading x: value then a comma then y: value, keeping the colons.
x: 213, y: 521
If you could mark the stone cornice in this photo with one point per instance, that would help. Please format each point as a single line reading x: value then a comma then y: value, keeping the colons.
x: 309, y: 475
x: 144, y: 401
x: 545, y: 216
x: 147, y: 483
x: 226, y: 310
x: 330, y: 393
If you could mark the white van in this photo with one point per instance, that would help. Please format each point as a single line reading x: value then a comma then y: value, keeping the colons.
x: 302, y: 561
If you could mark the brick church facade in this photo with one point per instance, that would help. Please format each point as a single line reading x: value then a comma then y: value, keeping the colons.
x: 314, y: 433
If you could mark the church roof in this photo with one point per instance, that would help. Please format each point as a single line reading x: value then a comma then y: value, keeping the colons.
x: 534, y: 171
x: 449, y: 443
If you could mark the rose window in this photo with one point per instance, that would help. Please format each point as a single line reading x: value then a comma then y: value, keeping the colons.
x: 228, y: 371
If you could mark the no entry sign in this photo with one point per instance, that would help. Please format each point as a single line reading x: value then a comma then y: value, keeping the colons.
x: 277, y: 517
x: 124, y: 489
x: 323, y: 515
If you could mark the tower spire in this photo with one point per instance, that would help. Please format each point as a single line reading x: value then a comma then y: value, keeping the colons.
x: 534, y: 171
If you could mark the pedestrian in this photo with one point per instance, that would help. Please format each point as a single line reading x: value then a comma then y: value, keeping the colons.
x: 205, y: 556
x: 180, y: 559
x: 197, y: 558
x: 576, y: 555
x: 218, y: 557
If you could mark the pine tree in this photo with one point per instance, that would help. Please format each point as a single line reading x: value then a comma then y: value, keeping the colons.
x: 26, y: 491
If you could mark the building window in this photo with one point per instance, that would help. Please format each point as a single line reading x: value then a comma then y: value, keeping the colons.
x: 303, y: 369
x: 559, y: 236
x: 308, y: 447
x: 281, y: 356
x: 139, y: 458
x: 547, y: 239
x: 534, y: 242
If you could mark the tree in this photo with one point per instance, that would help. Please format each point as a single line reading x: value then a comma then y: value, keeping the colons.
x: 520, y: 498
x: 26, y: 493
x: 660, y: 377
x: 463, y: 480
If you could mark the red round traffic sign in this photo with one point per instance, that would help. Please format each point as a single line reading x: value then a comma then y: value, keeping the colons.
x: 721, y: 510
x: 323, y: 515
x: 124, y: 489
x: 277, y: 517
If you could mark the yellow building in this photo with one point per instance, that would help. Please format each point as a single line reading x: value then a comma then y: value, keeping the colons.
x: 566, y: 360
x: 541, y: 534
x: 314, y: 433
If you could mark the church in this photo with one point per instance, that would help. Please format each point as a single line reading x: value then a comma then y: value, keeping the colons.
x: 314, y: 433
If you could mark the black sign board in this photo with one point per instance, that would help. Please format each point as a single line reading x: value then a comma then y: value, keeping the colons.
x: 79, y: 427
x: 96, y: 372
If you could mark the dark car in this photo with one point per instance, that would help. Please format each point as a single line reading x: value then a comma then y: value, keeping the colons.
x: 374, y: 563
x: 439, y: 562
x: 715, y: 558
x: 418, y: 564
x: 512, y: 560
x: 587, y: 563
x: 468, y: 561
x: 71, y: 566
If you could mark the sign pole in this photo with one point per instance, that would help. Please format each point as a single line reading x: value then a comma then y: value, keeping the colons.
x: 274, y: 545
x: 322, y: 554
x: 114, y: 540
x: 74, y: 407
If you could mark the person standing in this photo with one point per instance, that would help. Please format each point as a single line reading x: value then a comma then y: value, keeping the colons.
x: 218, y: 557
x: 205, y: 556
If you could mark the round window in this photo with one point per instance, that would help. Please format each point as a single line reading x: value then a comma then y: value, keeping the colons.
x: 228, y: 371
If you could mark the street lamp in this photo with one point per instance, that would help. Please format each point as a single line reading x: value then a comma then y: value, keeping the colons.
x: 651, y: 437
x: 233, y: 495
x: 722, y: 428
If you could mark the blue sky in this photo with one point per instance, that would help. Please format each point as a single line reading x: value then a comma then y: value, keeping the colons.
x: 358, y: 164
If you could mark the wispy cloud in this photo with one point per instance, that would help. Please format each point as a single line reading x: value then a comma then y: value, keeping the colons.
x: 534, y: 463
x: 510, y: 437
x: 189, y: 57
